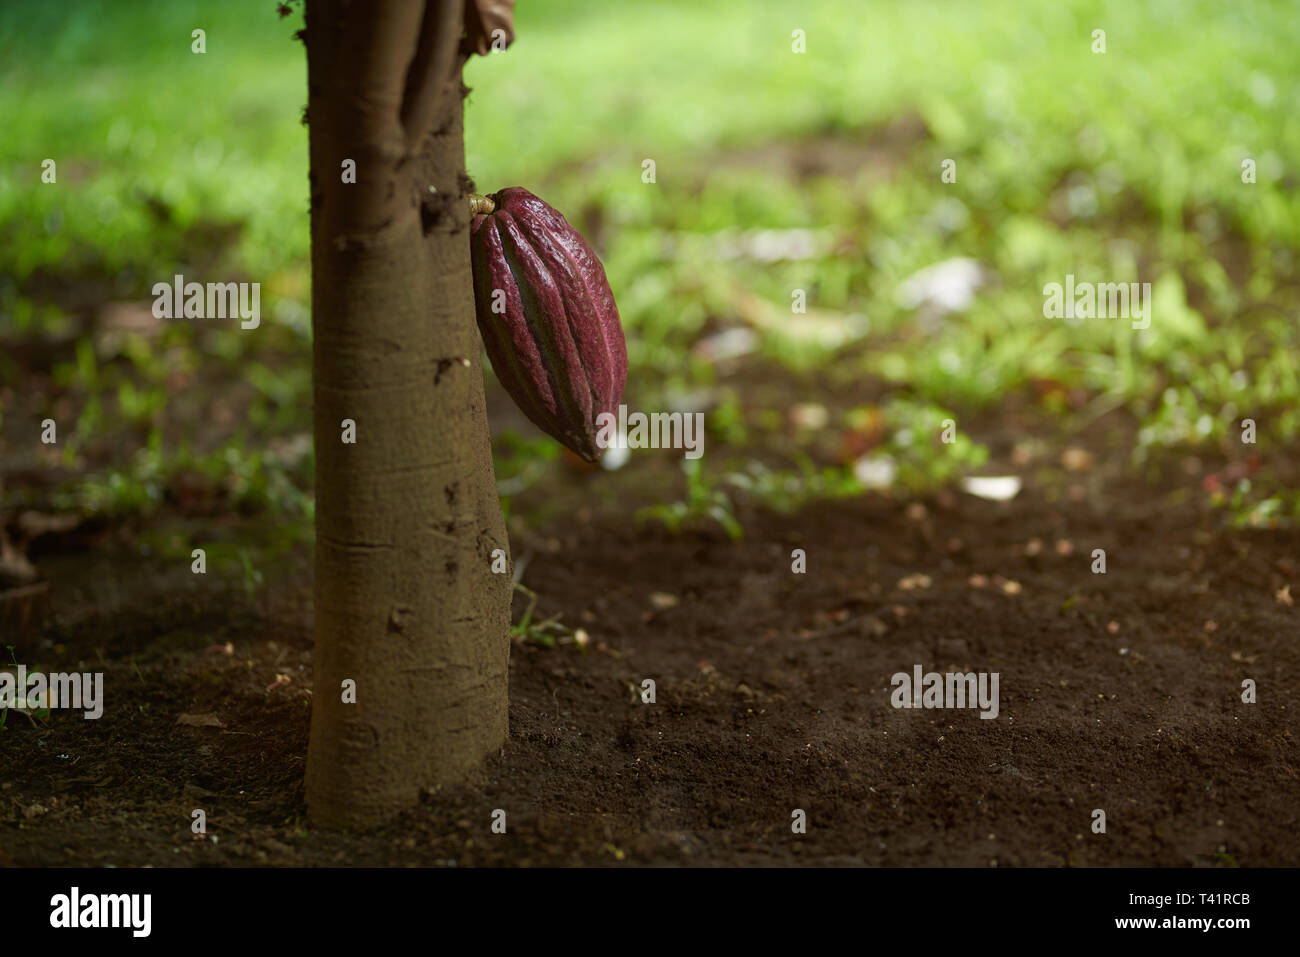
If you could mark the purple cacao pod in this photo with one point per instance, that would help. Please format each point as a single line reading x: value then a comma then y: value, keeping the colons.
x: 547, y: 318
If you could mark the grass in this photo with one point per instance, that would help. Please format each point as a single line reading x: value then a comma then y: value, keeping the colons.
x: 1122, y: 166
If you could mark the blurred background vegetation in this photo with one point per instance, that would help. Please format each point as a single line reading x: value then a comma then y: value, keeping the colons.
x: 776, y: 172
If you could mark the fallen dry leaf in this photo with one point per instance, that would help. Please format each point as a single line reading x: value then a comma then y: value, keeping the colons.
x: 809, y: 415
x: 32, y: 523
x: 994, y: 488
x: 875, y: 471
x: 662, y: 600
x: 1076, y: 459
x: 200, y: 720
x: 15, y: 567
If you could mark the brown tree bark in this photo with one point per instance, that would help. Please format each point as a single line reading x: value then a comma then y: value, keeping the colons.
x: 407, y: 517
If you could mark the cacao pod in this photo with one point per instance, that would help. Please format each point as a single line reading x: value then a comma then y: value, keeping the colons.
x: 547, y: 317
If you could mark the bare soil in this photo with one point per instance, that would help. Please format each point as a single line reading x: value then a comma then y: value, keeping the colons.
x: 1120, y: 692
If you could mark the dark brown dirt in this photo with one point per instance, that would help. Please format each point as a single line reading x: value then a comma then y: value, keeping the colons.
x: 1119, y: 692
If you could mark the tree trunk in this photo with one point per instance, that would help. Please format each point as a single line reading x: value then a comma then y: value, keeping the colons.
x: 407, y: 517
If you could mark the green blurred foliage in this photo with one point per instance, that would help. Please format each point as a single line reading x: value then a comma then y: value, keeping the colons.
x: 775, y: 171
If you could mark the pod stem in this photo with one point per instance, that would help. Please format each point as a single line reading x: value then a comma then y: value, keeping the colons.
x: 480, y: 204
